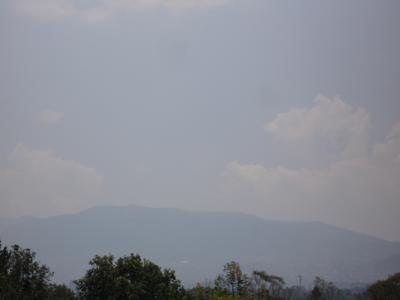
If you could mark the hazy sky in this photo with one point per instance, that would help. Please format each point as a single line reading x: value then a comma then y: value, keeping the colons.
x: 286, y: 109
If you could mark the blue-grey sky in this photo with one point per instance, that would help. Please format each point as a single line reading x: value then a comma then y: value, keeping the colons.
x: 285, y: 109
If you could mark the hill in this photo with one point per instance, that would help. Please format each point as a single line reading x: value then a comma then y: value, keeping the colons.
x: 197, y: 244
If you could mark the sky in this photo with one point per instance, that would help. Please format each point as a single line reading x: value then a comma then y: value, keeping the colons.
x: 289, y: 110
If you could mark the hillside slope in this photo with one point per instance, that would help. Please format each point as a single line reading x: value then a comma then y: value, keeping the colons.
x: 197, y: 244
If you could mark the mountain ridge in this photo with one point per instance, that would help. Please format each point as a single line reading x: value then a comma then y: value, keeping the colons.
x: 197, y: 243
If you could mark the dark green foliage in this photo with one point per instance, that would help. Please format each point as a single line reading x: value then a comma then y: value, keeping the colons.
x: 325, y: 290
x: 201, y: 292
x: 267, y: 286
x: 129, y: 278
x: 21, y: 276
x: 133, y: 278
x: 233, y: 280
x: 388, y: 289
x: 233, y: 283
x: 60, y: 292
x: 316, y: 294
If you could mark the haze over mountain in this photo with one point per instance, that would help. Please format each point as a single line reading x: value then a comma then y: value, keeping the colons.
x: 288, y: 111
x: 257, y: 122
x: 197, y: 244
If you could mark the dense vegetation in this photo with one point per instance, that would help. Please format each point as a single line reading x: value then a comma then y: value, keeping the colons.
x: 388, y: 289
x: 130, y: 278
x: 22, y: 277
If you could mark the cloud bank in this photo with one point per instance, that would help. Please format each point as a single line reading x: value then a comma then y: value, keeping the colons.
x: 39, y: 183
x: 97, y: 10
x: 331, y: 129
x: 359, y: 189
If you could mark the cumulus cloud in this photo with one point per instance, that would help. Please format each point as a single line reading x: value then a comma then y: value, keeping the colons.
x: 331, y: 126
x: 49, y: 117
x: 100, y: 10
x: 38, y: 182
x: 389, y: 151
x: 356, y: 191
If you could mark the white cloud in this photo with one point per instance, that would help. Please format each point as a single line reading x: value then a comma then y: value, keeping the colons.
x: 331, y: 126
x: 101, y: 10
x: 389, y: 151
x: 355, y: 191
x: 49, y: 117
x: 38, y: 182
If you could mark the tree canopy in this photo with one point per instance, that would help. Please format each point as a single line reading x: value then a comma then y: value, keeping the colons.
x: 388, y: 289
x: 21, y: 276
x: 129, y: 278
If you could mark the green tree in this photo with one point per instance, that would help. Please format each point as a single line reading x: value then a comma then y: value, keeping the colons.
x: 266, y: 285
x: 327, y: 289
x: 220, y: 286
x: 21, y: 276
x: 200, y: 292
x: 99, y: 281
x: 129, y: 278
x: 316, y: 294
x: 388, y: 289
x: 234, y: 278
x: 60, y: 292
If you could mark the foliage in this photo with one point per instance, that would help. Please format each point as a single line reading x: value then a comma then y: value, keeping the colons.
x: 324, y: 290
x: 232, y: 281
x: 316, y: 293
x: 133, y: 278
x: 388, y: 289
x: 21, y: 276
x: 59, y: 292
x: 267, y: 286
x: 234, y: 284
x: 129, y: 278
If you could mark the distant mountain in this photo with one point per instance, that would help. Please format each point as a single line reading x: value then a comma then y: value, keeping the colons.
x: 8, y: 222
x: 197, y: 244
x: 4, y: 223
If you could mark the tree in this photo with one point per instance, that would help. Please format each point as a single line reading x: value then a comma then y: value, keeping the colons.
x: 129, y: 278
x: 388, y: 289
x: 21, y: 276
x: 316, y: 293
x: 99, y: 281
x: 60, y: 292
x: 234, y: 278
x: 220, y: 286
x: 327, y: 290
x: 266, y: 285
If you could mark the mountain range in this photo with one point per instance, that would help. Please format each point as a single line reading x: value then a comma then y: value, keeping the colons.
x: 197, y: 244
